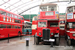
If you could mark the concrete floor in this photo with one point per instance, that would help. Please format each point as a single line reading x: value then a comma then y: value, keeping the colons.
x: 17, y: 44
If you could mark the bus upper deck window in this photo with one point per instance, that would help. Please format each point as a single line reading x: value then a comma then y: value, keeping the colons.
x: 70, y: 9
x: 8, y: 14
x: 22, y: 18
x: 2, y: 12
x: 52, y: 8
x: 10, y: 19
x: 17, y: 21
x: 4, y: 18
x: 19, y: 18
x: 12, y: 15
x: 15, y: 16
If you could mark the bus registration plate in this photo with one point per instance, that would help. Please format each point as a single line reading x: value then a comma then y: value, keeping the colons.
x: 52, y: 40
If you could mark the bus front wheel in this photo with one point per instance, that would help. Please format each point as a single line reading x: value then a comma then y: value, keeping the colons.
x: 57, y: 41
x: 69, y: 42
x: 36, y: 40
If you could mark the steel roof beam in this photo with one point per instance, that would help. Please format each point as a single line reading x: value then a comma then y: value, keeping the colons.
x: 13, y: 4
x: 4, y: 2
x: 24, y: 6
x: 20, y: 5
x: 28, y: 9
x: 39, y: 5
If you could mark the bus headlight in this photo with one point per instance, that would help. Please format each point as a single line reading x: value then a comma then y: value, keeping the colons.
x: 51, y: 33
x: 39, y: 33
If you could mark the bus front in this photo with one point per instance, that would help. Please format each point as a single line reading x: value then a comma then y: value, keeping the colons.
x: 48, y: 27
x: 70, y: 24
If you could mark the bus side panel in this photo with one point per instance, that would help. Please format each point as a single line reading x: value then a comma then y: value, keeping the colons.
x: 3, y: 33
x: 33, y: 31
x: 34, y: 27
x: 13, y: 32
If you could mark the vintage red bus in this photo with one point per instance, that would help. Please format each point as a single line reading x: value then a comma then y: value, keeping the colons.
x: 48, y: 24
x: 34, y: 24
x: 10, y: 23
x: 70, y: 24
x: 62, y: 28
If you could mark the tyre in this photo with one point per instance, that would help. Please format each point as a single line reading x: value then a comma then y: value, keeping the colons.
x: 69, y: 42
x: 66, y: 37
x: 57, y: 41
x: 27, y: 32
x: 36, y: 40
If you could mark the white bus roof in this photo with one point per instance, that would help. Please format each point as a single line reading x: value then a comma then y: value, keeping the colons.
x: 71, y: 4
x: 27, y: 21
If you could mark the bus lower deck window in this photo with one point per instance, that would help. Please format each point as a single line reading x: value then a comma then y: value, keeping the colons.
x: 15, y: 26
x: 8, y: 26
x: 12, y: 26
x: 2, y: 26
x: 19, y: 27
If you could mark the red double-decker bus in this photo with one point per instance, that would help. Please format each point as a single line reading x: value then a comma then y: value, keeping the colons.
x: 62, y: 28
x: 70, y: 24
x: 48, y: 24
x: 34, y: 25
x: 10, y: 23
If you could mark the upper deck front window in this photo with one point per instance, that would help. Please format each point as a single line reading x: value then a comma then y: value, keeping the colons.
x: 41, y: 24
x: 48, y: 13
x: 70, y: 9
x: 52, y: 8
x: 48, y: 7
x: 2, y: 12
x: 43, y: 8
